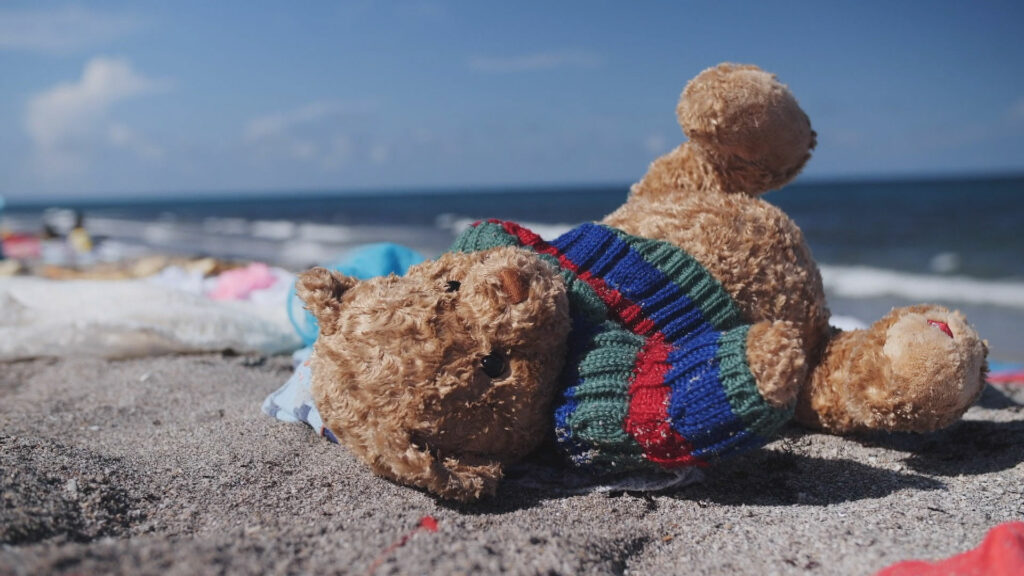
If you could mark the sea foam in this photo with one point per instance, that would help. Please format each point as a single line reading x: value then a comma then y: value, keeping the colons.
x: 867, y: 282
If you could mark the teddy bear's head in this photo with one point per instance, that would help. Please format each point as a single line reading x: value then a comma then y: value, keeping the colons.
x: 747, y: 134
x: 750, y: 125
x: 439, y: 377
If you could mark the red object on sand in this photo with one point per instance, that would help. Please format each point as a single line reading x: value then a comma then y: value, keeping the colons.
x: 1000, y: 554
x: 428, y: 523
x: 22, y: 247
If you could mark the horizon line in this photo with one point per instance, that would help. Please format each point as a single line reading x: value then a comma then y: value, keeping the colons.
x: 439, y: 190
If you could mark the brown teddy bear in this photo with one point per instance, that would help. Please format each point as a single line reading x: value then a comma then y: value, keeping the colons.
x: 688, y: 325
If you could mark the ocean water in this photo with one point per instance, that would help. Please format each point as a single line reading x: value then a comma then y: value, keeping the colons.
x: 880, y: 243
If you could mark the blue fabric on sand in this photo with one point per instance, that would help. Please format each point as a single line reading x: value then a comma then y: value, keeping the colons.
x: 293, y: 402
x: 364, y: 262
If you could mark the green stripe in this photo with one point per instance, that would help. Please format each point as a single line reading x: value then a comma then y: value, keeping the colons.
x: 707, y: 293
x: 602, y: 399
x: 740, y: 387
x: 584, y: 303
x: 484, y: 236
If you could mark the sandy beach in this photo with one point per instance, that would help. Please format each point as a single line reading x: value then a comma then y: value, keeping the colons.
x: 166, y: 465
x: 168, y: 171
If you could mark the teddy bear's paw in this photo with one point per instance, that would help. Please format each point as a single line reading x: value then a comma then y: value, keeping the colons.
x: 937, y: 364
x: 467, y: 482
x: 749, y: 125
x: 776, y: 359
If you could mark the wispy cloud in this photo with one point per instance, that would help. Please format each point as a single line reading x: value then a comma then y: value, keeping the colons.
x: 274, y: 125
x: 66, y: 122
x: 656, y: 144
x: 1017, y: 110
x: 62, y: 29
x: 124, y: 137
x: 535, y: 61
x: 313, y: 133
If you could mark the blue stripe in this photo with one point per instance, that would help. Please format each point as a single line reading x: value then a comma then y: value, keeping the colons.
x: 580, y: 342
x: 684, y: 322
x: 564, y: 437
x: 583, y: 248
x: 698, y: 407
x: 614, y: 251
x: 740, y: 442
x: 624, y: 269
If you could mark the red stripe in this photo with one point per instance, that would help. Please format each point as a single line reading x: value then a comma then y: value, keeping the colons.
x: 647, y: 420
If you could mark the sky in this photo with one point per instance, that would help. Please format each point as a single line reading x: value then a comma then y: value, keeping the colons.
x: 156, y: 99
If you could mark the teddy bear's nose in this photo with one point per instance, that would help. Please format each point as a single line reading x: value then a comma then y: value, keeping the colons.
x: 516, y: 287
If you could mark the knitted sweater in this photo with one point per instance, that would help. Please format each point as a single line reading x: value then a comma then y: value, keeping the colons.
x: 657, y: 374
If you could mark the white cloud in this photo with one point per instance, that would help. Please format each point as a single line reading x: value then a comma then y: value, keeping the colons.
x: 62, y: 29
x: 69, y: 120
x: 536, y: 61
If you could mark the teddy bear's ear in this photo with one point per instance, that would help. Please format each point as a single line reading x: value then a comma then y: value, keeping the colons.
x: 321, y: 289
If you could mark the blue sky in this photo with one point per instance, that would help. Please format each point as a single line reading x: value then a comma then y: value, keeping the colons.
x: 163, y: 98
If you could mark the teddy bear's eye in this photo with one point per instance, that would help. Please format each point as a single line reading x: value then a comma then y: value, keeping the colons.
x: 452, y: 286
x: 493, y: 364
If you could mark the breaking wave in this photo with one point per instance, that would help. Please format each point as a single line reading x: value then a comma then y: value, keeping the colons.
x: 867, y: 282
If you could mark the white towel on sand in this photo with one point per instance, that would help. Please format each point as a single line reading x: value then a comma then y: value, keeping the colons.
x: 126, y: 318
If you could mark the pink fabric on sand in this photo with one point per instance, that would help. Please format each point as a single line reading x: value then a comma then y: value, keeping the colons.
x: 237, y: 284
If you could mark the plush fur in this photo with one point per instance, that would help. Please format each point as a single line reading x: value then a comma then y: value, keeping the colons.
x: 397, y: 366
x: 399, y: 371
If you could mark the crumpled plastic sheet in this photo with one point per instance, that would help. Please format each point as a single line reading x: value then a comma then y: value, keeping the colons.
x: 129, y: 318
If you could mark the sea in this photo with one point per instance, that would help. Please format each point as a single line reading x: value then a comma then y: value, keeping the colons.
x: 957, y: 242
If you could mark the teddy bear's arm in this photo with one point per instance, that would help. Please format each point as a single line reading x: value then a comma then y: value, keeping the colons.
x: 465, y: 478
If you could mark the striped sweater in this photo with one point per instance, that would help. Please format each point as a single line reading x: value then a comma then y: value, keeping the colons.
x: 657, y: 374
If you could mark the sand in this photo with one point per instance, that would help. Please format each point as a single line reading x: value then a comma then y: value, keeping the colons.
x: 166, y: 466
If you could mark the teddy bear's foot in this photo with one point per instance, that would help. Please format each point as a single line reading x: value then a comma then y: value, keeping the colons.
x: 917, y: 369
x: 776, y: 359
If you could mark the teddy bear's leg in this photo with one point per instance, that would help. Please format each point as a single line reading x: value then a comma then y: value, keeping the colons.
x: 917, y: 369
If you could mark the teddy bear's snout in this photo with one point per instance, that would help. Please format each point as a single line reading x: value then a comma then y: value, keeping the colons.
x: 516, y: 287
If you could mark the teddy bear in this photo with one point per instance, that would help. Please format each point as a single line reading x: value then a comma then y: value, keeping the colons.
x: 688, y: 325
